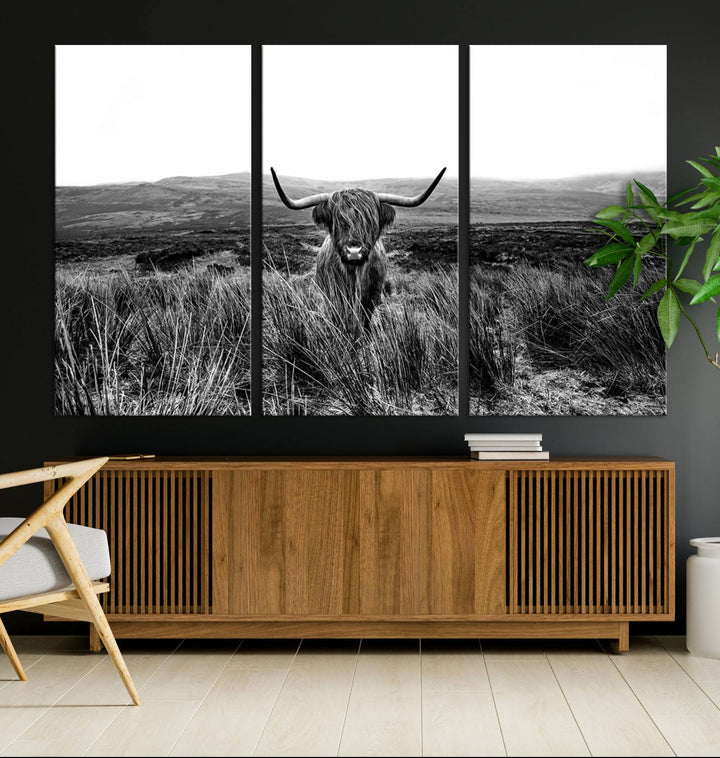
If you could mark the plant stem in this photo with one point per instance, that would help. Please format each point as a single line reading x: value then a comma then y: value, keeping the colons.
x: 713, y: 361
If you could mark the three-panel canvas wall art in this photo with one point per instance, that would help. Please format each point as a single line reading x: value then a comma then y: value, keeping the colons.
x: 359, y: 313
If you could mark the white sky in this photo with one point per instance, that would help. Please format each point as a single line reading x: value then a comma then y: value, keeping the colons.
x: 360, y: 111
x: 549, y: 111
x: 146, y: 112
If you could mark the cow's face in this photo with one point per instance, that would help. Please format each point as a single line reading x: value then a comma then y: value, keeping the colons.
x: 355, y: 219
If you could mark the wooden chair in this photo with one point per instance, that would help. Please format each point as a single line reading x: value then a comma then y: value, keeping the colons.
x: 33, y: 579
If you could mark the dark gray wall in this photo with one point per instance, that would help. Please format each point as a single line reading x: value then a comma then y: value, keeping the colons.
x: 689, y: 435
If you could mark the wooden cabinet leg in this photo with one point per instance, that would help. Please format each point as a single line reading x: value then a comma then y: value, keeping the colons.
x: 95, y: 643
x: 624, y: 637
x: 622, y: 644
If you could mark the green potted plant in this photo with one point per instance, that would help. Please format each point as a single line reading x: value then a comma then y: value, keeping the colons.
x: 641, y: 228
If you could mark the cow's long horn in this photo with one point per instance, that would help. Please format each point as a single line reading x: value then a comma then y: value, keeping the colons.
x: 410, y: 202
x: 303, y: 202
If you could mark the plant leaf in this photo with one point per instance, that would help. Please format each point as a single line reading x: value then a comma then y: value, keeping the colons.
x: 653, y: 288
x: 612, y: 211
x: 646, y: 244
x: 687, y: 285
x: 672, y: 200
x: 712, y: 256
x: 647, y: 195
x: 708, y: 198
x: 612, y: 253
x: 712, y: 182
x: 691, y: 199
x: 688, y: 253
x: 623, y: 274
x: 637, y: 268
x: 617, y: 227
x: 687, y: 228
x: 668, y: 316
x: 699, y: 167
x: 708, y: 290
x: 629, y: 198
x: 717, y: 325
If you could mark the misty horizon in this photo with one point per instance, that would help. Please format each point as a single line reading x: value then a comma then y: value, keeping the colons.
x: 481, y: 177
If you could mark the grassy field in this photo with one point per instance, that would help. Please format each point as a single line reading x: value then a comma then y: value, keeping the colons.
x: 543, y: 340
x: 318, y: 363
x: 152, y: 343
x: 160, y: 325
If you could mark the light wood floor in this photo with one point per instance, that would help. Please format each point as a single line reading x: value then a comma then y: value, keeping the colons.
x: 372, y: 698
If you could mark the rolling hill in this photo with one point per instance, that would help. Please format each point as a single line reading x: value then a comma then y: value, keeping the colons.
x: 223, y: 202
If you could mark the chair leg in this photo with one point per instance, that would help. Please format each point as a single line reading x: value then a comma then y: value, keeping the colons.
x: 70, y: 557
x: 7, y: 646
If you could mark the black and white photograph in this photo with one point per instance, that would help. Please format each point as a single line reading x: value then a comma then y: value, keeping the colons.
x: 152, y: 230
x: 556, y: 133
x: 360, y: 290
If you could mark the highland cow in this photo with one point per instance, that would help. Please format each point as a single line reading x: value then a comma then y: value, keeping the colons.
x: 351, y: 266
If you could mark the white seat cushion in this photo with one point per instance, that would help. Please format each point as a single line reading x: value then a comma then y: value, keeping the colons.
x: 36, y: 567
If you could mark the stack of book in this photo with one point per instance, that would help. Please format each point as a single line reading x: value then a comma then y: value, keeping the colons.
x: 506, y: 447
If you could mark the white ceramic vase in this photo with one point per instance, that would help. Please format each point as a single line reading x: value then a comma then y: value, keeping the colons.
x: 703, y: 598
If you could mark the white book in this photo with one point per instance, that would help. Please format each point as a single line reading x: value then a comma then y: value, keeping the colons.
x: 531, y: 447
x: 517, y: 456
x: 503, y: 437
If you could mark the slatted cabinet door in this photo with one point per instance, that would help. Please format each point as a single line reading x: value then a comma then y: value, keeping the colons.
x: 590, y: 542
x: 158, y: 523
x: 393, y: 543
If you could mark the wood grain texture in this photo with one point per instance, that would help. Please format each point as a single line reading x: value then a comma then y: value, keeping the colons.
x: 553, y: 628
x: 534, y: 716
x: 384, y: 711
x: 384, y: 540
x: 610, y: 717
x: 193, y: 463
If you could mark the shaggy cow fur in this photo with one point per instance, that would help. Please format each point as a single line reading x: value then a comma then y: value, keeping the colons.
x: 351, y: 265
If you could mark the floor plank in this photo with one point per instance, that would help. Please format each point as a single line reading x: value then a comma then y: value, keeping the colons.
x: 62, y: 730
x: 685, y: 715
x: 171, y: 697
x: 233, y: 715
x: 384, y: 712
x: 534, y: 716
x: 190, y: 672
x: 437, y: 697
x: 460, y: 722
x: 453, y: 665
x: 49, y: 678
x: 7, y: 672
x: 310, y: 710
x: 458, y: 710
x: 150, y: 729
x: 610, y: 717
x: 264, y: 654
x: 103, y: 686
x: 705, y: 672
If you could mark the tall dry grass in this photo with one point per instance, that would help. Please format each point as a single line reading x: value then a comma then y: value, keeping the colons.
x: 319, y: 361
x: 162, y: 344
x: 530, y: 322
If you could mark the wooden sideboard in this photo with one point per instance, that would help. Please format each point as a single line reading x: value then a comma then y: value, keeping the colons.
x: 384, y: 547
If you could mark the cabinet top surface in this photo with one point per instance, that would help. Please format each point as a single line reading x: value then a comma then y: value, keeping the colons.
x: 363, y: 462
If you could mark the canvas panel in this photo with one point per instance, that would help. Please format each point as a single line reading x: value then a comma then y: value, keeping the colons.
x: 360, y: 295
x: 152, y: 230
x: 556, y: 133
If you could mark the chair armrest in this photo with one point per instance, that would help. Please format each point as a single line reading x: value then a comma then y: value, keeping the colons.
x: 63, y: 471
x: 77, y: 472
